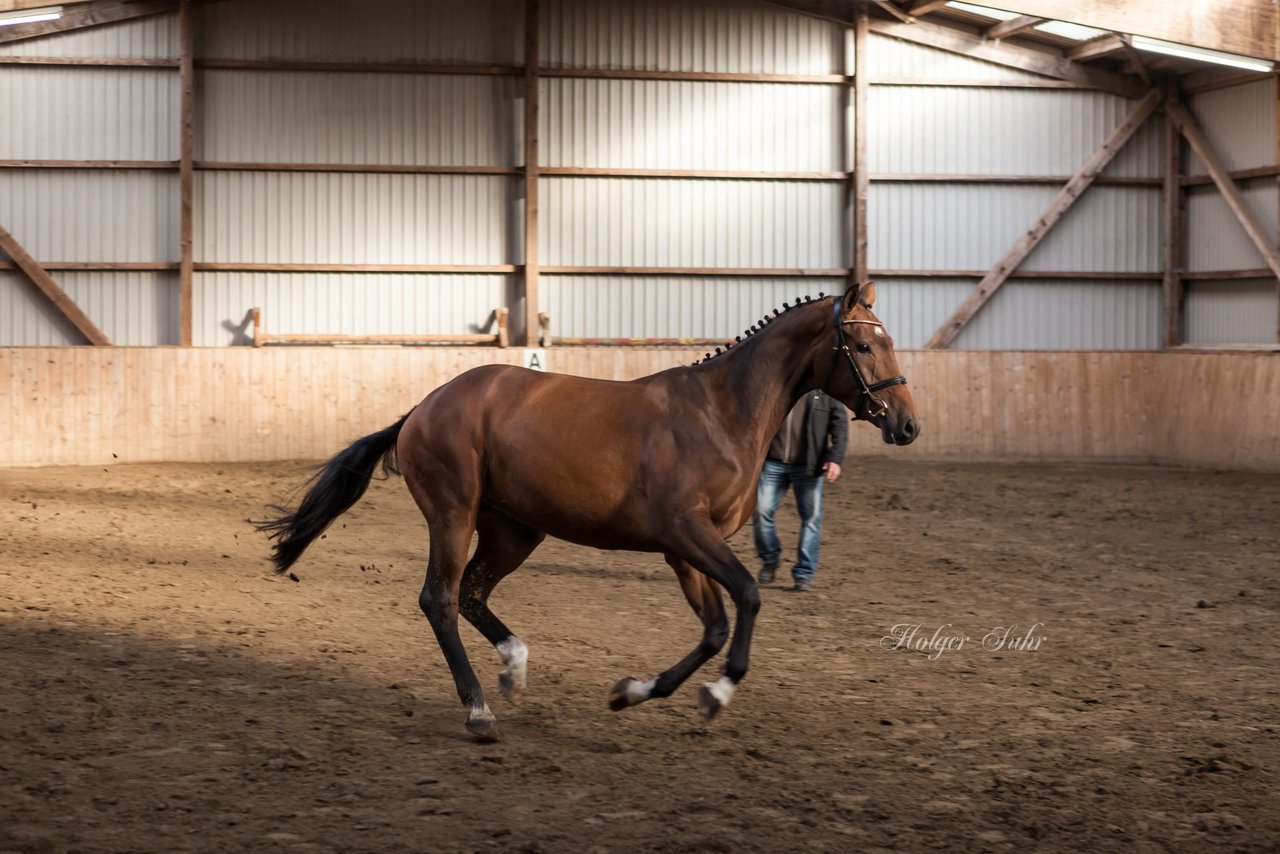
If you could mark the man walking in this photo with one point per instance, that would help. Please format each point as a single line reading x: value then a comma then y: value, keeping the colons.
x: 808, y: 447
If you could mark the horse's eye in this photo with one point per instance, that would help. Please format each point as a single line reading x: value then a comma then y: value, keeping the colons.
x: 864, y: 347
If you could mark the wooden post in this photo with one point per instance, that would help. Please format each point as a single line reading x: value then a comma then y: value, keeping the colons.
x: 186, y: 169
x: 40, y: 277
x: 1190, y: 129
x: 1173, y: 293
x: 531, y: 173
x: 861, y: 177
x: 1061, y: 203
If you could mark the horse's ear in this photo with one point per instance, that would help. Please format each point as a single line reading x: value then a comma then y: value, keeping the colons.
x: 849, y: 301
x: 869, y: 294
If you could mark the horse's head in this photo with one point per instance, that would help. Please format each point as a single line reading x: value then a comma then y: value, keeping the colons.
x: 864, y: 373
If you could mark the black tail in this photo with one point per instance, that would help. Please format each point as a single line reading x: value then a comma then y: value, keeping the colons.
x: 335, y: 487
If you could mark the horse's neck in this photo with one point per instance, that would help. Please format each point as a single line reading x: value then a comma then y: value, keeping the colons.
x: 766, y: 374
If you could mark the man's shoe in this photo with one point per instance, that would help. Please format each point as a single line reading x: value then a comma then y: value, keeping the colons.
x: 803, y: 585
x: 768, y: 572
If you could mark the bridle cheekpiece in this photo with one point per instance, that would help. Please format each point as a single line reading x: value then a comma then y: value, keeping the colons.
x: 875, y: 407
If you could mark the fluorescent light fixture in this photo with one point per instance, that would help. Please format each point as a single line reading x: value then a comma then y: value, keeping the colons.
x: 984, y: 11
x: 1068, y: 30
x: 30, y: 16
x: 1201, y: 54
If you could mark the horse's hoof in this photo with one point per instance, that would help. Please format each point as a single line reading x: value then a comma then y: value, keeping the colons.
x: 512, y: 690
x: 708, y: 703
x: 624, y: 694
x: 483, y: 726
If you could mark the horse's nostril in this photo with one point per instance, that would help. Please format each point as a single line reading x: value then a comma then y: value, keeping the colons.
x: 909, y: 429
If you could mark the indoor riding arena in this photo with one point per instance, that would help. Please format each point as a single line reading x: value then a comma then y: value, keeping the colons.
x: 565, y: 267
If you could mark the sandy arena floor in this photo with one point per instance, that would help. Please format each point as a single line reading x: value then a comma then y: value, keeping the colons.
x: 163, y: 691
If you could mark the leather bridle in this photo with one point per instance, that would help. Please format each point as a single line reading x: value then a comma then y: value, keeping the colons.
x: 869, y: 399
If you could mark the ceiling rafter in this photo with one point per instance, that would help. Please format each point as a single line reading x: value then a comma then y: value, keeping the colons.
x: 1044, y: 62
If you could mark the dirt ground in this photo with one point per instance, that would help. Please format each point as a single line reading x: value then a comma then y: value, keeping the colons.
x: 161, y: 690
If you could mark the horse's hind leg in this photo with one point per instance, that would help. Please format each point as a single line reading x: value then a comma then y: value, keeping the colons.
x: 503, y: 545
x: 451, y: 530
x: 704, y: 597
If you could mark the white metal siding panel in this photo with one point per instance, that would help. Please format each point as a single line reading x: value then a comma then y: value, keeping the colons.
x: 1065, y: 315
x: 913, y: 309
x: 673, y: 223
x: 356, y: 218
x: 1240, y: 123
x: 1231, y: 312
x: 668, y: 306
x: 968, y: 227
x: 88, y: 114
x: 345, y: 304
x: 131, y: 308
x: 671, y: 35
x: 1215, y: 239
x: 890, y: 57
x: 475, y: 32
x: 1026, y: 314
x: 27, y: 318
x: 999, y: 131
x: 92, y: 215
x: 155, y: 37
x: 651, y: 124
x: 360, y: 118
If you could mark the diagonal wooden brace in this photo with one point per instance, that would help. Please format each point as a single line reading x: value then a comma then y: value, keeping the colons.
x: 1061, y: 203
x: 51, y: 289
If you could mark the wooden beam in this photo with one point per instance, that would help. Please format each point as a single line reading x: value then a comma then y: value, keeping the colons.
x: 1094, y: 48
x: 1044, y: 62
x: 90, y: 61
x: 270, y: 267
x: 88, y: 164
x: 1248, y: 27
x: 861, y: 177
x: 531, y: 273
x: 372, y: 168
x: 1227, y: 275
x: 87, y: 15
x: 1061, y: 203
x: 186, y: 171
x: 695, y: 76
x: 1190, y: 129
x: 355, y: 67
x: 965, y: 178
x: 1236, y: 175
x: 1172, y: 254
x: 756, y: 272
x: 893, y: 10
x: 978, y: 82
x: 40, y: 277
x: 921, y: 8
x: 1012, y: 27
x: 715, y: 174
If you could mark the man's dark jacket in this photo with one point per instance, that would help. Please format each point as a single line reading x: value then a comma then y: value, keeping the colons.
x: 825, y: 433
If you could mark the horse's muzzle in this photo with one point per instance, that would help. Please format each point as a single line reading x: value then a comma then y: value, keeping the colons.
x: 900, y: 434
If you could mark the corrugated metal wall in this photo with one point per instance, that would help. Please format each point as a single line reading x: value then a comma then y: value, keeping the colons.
x: 1240, y: 123
x: 87, y: 113
x: 265, y: 116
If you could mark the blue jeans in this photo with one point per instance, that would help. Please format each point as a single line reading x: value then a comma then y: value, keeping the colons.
x: 774, y: 480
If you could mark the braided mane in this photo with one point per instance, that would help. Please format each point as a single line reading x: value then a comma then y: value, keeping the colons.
x: 738, y: 339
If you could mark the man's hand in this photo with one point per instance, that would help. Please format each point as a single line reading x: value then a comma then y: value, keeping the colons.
x: 832, y: 470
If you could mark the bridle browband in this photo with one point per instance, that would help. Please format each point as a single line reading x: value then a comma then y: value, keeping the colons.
x: 868, y: 396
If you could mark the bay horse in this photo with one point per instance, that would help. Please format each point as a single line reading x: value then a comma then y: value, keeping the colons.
x: 667, y: 463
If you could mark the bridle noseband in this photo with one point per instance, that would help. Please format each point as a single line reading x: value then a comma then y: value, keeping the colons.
x: 841, y: 346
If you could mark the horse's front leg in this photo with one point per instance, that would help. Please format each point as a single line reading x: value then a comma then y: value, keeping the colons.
x: 701, y: 545
x: 703, y: 596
